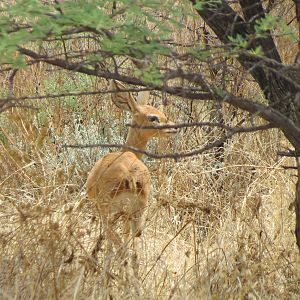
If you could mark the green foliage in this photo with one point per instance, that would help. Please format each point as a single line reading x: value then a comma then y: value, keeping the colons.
x: 256, y: 51
x: 150, y: 74
x: 288, y: 31
x: 133, y: 29
x: 199, y: 4
x: 123, y: 31
x: 239, y: 41
x: 67, y: 84
x: 264, y: 25
x: 200, y: 53
x: 3, y: 138
x: 42, y: 116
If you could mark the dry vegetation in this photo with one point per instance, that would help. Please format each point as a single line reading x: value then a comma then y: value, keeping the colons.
x: 215, y: 229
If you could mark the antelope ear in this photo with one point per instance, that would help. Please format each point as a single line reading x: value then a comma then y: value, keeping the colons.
x: 143, y: 97
x: 123, y: 100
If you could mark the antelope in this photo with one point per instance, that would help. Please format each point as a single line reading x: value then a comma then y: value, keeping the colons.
x: 119, y: 182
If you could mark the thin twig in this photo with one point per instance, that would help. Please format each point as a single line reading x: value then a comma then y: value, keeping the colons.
x: 202, y: 124
x: 166, y: 246
x: 176, y: 155
x: 11, y: 82
x: 290, y: 167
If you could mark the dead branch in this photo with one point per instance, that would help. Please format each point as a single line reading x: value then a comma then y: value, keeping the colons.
x: 207, y: 124
x: 176, y: 155
x: 289, y: 153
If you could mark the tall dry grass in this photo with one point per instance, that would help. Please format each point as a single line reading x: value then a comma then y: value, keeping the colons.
x: 216, y: 228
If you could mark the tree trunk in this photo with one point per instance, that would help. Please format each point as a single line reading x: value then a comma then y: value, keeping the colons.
x: 279, y: 84
x: 297, y: 208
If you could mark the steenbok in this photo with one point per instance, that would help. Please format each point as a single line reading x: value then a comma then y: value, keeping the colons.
x: 119, y: 182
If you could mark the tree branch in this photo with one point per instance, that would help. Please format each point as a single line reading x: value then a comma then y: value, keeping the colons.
x: 218, y: 143
x: 271, y: 115
x: 207, y: 124
x: 253, y: 11
x: 289, y: 153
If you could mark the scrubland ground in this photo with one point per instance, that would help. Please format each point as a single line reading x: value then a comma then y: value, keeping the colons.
x: 219, y: 225
x: 216, y: 228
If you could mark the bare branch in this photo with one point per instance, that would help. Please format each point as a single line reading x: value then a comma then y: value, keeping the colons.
x: 290, y: 167
x: 176, y: 155
x: 11, y: 83
x: 190, y: 93
x: 268, y: 113
x: 271, y: 115
x: 289, y: 153
x: 12, y: 101
x: 206, y: 124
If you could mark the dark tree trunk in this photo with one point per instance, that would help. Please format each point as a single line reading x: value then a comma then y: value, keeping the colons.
x: 297, y: 108
x: 279, y: 83
x: 297, y: 209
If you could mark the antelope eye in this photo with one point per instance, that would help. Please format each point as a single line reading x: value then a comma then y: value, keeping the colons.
x: 153, y: 118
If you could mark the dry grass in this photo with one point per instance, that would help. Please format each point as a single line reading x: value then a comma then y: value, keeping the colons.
x: 215, y: 229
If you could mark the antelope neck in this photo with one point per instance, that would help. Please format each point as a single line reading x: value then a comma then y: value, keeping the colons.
x: 136, y: 139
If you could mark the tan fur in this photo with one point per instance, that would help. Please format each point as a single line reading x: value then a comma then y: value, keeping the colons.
x: 119, y: 182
